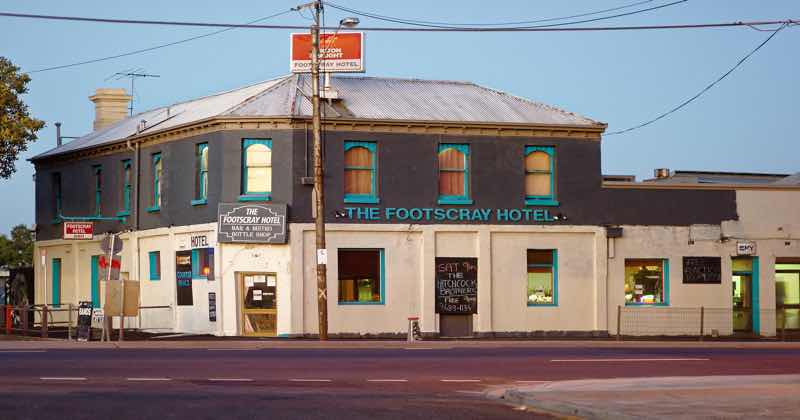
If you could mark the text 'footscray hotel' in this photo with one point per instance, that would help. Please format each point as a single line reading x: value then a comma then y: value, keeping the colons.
x: 481, y: 213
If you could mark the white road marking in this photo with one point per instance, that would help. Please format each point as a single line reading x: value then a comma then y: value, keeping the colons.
x: 230, y: 379
x: 22, y: 351
x: 676, y: 359
x: 232, y: 349
x: 533, y: 382
x: 73, y: 378
x: 387, y: 380
x: 310, y: 380
x: 419, y: 348
x: 471, y: 392
x: 148, y: 379
x: 459, y: 380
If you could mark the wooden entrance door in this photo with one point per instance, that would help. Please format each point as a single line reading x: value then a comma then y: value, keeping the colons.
x: 259, y: 304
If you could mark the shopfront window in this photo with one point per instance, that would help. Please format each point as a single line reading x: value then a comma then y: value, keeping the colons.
x: 542, y: 277
x: 787, y: 292
x: 454, y: 174
x: 202, y: 262
x: 646, y: 282
x: 361, y: 276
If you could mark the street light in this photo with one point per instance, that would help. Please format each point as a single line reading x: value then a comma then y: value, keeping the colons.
x: 319, y: 196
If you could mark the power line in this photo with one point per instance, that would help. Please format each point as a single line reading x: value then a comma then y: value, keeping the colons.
x: 707, y: 88
x: 788, y: 22
x: 155, y: 47
x: 397, y: 20
x: 524, y: 22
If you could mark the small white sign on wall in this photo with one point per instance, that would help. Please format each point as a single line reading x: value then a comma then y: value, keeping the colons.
x: 746, y: 248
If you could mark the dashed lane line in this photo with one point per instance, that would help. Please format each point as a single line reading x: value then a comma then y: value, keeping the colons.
x: 23, y: 351
x: 532, y: 382
x: 62, y: 378
x: 233, y: 349
x: 675, y: 359
x: 147, y: 379
x: 459, y: 380
x: 309, y: 380
x: 230, y: 380
x: 387, y: 380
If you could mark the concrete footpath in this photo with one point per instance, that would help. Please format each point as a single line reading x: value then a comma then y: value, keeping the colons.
x: 756, y: 396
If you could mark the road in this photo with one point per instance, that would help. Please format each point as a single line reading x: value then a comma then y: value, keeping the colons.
x: 321, y: 383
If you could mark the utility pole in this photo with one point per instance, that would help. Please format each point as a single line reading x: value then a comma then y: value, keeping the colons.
x: 319, y: 196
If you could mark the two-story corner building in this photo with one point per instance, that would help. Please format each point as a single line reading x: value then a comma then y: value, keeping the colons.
x: 477, y: 211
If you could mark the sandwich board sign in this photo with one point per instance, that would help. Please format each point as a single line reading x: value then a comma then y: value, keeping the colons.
x: 338, y: 53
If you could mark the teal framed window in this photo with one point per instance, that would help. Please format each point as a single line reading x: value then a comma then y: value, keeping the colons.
x: 201, y: 175
x: 97, y: 170
x: 56, y: 276
x: 454, y: 174
x: 361, y: 172
x: 158, y: 172
x: 542, y: 277
x: 127, y: 188
x: 647, y: 281
x: 58, y: 206
x: 155, y: 264
x: 256, y: 170
x: 362, y: 276
x: 201, y: 263
x: 540, y: 176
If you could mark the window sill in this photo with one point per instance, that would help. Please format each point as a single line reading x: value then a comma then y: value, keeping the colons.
x: 455, y: 201
x: 56, y: 221
x: 152, y: 279
x: 541, y: 202
x: 124, y: 213
x: 255, y: 197
x: 645, y: 304
x: 361, y: 199
x: 199, y: 278
x: 153, y: 209
x: 361, y: 303
x: 546, y: 305
x: 200, y: 202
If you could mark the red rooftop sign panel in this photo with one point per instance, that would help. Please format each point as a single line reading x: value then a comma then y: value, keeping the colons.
x: 78, y: 230
x: 339, y: 53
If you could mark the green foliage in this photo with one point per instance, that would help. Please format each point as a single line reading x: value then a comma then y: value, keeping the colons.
x: 17, y: 127
x: 17, y: 251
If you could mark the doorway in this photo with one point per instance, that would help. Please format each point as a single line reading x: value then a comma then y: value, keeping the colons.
x: 744, y: 286
x: 259, y: 304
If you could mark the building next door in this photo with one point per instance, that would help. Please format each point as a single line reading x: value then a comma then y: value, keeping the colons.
x: 258, y: 303
x: 745, y: 295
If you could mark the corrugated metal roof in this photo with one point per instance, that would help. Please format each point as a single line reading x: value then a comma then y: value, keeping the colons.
x: 369, y: 98
x: 789, y: 180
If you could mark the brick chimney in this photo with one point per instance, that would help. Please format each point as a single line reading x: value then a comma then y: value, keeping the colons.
x: 110, y: 106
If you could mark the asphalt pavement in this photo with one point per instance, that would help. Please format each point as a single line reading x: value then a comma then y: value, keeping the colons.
x: 353, y: 380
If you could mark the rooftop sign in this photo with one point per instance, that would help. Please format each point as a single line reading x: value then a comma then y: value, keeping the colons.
x: 338, y: 53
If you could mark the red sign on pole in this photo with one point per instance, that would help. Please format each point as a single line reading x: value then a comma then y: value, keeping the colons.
x: 339, y: 53
x: 78, y: 230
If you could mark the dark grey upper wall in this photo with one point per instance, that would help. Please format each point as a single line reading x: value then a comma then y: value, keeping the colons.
x: 407, y: 176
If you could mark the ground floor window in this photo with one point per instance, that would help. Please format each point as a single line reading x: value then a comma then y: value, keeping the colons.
x: 646, y: 281
x: 542, y: 278
x: 787, y: 292
x: 202, y: 263
x: 361, y: 276
x: 155, y: 265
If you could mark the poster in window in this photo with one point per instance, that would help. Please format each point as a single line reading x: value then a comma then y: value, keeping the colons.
x: 456, y: 285
x: 183, y: 275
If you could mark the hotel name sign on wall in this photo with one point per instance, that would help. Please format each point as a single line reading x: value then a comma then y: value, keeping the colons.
x: 252, y: 223
x: 436, y: 214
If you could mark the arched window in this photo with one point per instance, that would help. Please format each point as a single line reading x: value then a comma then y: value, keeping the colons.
x: 257, y: 170
x: 539, y: 175
x: 201, y: 175
x: 454, y: 174
x: 360, y: 172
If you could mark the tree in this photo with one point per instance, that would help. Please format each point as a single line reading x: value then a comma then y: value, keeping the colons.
x: 17, y: 127
x: 18, y: 250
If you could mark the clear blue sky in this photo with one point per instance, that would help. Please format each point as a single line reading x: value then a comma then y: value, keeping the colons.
x: 746, y: 123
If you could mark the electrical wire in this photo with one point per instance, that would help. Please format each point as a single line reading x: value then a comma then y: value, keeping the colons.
x: 396, y: 20
x: 155, y: 47
x: 789, y: 22
x: 524, y: 22
x: 704, y: 90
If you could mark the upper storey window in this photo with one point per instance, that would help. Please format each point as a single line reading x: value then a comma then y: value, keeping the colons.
x: 360, y: 172
x: 126, y: 188
x: 256, y: 170
x: 539, y: 176
x: 454, y: 174
x: 98, y: 188
x: 201, y: 175
x: 58, y: 208
x: 158, y: 172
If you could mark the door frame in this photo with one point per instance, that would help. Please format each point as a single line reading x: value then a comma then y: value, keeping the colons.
x: 755, y: 293
x: 240, y: 295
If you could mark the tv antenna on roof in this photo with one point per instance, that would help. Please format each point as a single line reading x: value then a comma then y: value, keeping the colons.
x: 132, y: 74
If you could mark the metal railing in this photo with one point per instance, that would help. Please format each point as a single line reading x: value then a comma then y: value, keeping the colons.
x: 61, y: 321
x: 702, y: 322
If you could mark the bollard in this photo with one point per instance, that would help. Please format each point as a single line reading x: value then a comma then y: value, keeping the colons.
x: 69, y: 322
x: 619, y: 319
x: 702, y: 320
x: 44, y: 321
